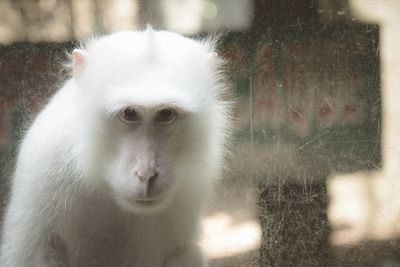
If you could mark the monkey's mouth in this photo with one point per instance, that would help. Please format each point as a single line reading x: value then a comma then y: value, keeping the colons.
x: 137, y: 201
x: 148, y: 202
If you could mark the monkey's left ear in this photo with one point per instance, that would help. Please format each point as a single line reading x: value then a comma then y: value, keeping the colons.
x: 78, y: 62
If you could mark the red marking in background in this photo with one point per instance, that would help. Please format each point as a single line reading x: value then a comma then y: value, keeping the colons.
x: 236, y: 58
x: 325, y: 111
x: 265, y: 99
x: 297, y: 92
x: 351, y: 109
x: 294, y: 115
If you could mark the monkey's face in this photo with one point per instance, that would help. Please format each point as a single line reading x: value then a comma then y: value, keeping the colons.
x: 147, y: 142
x: 154, y: 118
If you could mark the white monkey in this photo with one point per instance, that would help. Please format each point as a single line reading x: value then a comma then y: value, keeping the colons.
x: 119, y: 163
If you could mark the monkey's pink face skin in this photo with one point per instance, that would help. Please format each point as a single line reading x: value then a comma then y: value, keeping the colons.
x: 148, y: 143
x: 143, y: 179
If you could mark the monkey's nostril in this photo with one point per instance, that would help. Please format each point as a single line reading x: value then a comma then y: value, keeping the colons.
x: 147, y: 178
x: 152, y: 179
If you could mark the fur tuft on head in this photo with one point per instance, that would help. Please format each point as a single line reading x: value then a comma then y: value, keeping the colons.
x: 151, y: 43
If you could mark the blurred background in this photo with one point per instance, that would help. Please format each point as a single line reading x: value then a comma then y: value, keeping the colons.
x: 312, y: 180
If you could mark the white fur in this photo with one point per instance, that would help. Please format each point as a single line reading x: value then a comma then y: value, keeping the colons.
x: 67, y: 178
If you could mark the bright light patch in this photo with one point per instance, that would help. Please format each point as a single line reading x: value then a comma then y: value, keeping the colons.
x: 222, y: 237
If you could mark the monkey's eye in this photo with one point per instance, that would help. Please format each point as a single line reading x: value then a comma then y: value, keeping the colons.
x: 166, y: 116
x: 129, y: 115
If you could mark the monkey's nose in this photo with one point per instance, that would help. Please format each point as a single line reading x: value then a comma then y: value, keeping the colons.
x: 147, y: 182
x: 147, y: 177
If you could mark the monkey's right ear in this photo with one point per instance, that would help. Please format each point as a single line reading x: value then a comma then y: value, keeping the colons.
x: 78, y: 62
x: 213, y: 58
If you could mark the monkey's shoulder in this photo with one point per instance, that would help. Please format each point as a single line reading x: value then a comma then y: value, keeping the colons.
x: 54, y: 130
